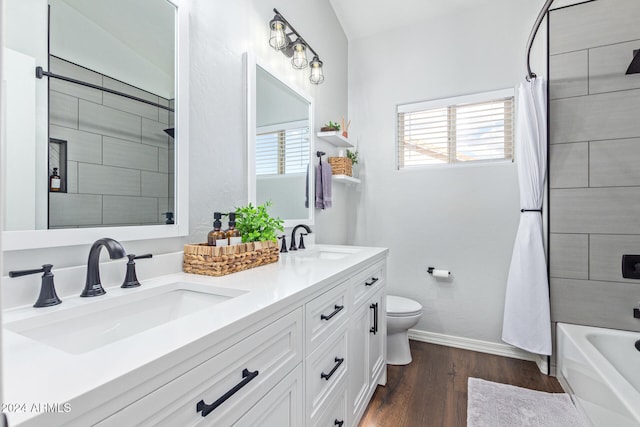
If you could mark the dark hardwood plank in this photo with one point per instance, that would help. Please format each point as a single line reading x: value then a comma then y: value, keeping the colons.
x: 432, y: 390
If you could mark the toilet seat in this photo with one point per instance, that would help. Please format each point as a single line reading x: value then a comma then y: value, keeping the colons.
x: 402, y: 307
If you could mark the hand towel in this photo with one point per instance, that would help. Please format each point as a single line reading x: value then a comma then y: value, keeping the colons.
x: 327, y: 172
x: 323, y: 186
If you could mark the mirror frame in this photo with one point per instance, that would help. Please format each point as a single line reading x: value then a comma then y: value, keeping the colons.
x: 33, y: 239
x: 251, y: 63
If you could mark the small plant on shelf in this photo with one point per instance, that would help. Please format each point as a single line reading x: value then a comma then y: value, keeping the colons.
x: 255, y: 223
x: 330, y: 127
x: 353, y: 155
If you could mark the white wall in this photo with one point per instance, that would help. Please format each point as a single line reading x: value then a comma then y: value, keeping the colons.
x: 463, y: 219
x: 220, y: 32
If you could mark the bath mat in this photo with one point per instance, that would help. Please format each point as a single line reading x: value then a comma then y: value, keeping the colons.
x: 500, y: 405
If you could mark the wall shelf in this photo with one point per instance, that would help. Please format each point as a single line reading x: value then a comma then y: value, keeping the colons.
x: 346, y: 179
x: 335, y: 138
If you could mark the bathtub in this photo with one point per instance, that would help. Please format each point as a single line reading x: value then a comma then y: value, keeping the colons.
x: 600, y: 369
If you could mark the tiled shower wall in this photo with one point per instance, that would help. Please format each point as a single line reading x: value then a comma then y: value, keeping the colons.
x: 594, y: 162
x: 119, y: 159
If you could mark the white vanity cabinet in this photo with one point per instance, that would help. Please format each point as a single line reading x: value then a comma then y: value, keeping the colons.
x: 223, y: 390
x: 367, y: 339
x: 306, y: 348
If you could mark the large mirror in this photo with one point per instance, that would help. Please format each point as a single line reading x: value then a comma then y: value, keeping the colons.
x: 280, y: 145
x: 100, y: 139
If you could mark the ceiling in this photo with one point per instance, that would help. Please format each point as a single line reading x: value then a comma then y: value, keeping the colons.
x: 363, y: 18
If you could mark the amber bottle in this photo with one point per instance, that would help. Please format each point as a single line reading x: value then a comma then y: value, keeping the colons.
x: 233, y: 236
x: 54, y: 181
x: 216, y: 236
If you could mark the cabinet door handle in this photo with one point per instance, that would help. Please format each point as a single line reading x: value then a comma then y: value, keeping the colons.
x: 373, y: 280
x: 338, y: 361
x: 338, y: 422
x: 337, y: 310
x: 374, y: 328
x: 207, y: 409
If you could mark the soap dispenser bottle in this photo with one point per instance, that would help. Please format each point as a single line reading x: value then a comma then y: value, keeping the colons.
x: 233, y: 235
x: 216, y: 236
x: 54, y: 181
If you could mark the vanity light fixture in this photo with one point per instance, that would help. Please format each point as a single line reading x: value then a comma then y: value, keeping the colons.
x: 280, y: 39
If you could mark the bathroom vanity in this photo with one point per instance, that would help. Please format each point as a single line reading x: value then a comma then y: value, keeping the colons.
x: 300, y: 342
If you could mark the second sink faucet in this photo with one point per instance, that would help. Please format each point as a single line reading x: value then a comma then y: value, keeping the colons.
x: 293, y: 237
x: 92, y: 286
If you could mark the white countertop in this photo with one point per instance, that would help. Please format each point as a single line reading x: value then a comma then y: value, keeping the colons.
x: 36, y: 374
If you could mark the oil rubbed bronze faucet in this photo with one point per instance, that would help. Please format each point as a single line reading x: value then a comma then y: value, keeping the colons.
x: 93, y: 287
x: 293, y: 237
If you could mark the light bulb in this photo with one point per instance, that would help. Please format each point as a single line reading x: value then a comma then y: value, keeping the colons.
x: 316, y: 76
x: 278, y: 39
x: 299, y: 60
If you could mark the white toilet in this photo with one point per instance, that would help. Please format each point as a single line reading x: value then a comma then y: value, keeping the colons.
x: 402, y: 314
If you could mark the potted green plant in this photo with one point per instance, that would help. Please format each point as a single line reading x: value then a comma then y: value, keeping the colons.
x: 329, y: 127
x: 353, y: 155
x: 256, y: 225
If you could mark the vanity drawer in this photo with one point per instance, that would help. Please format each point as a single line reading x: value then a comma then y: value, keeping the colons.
x: 324, y: 372
x: 250, y: 368
x: 324, y: 315
x: 335, y: 411
x: 366, y: 283
x: 282, y: 406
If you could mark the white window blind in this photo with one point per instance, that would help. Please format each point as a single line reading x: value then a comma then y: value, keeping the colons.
x: 456, y: 130
x: 282, y: 151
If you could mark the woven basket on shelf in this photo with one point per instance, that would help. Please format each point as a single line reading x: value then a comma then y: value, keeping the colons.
x: 341, y: 166
x: 221, y: 260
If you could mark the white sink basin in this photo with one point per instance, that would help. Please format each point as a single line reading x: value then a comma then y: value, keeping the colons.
x: 324, y: 252
x: 86, y: 327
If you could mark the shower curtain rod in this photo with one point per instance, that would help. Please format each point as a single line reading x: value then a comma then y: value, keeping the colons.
x: 532, y: 36
x: 40, y: 73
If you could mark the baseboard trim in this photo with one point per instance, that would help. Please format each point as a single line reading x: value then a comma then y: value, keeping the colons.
x: 498, y: 349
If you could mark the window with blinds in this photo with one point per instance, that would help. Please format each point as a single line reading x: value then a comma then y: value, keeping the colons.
x: 474, y: 128
x: 282, y: 151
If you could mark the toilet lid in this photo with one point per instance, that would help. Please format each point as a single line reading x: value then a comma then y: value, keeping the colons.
x: 400, y: 306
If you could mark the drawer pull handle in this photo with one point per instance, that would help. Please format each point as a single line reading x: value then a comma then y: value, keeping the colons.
x: 374, y: 328
x: 338, y: 361
x: 338, y: 422
x: 207, y: 409
x: 373, y: 280
x: 337, y: 310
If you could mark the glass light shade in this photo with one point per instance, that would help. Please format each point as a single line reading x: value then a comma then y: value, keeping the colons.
x: 278, y: 39
x: 299, y: 60
x: 317, y: 76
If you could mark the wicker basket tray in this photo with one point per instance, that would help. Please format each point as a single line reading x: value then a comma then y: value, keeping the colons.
x: 341, y: 166
x: 221, y: 260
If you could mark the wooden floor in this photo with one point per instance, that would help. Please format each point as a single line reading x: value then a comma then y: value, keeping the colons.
x: 432, y: 390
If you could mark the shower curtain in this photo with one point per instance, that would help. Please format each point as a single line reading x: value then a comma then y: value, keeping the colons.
x: 527, y: 319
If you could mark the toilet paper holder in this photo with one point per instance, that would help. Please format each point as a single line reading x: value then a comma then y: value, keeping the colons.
x: 431, y: 269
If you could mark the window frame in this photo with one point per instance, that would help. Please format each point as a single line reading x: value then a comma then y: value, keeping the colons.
x: 481, y: 97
